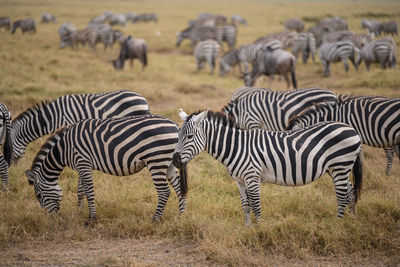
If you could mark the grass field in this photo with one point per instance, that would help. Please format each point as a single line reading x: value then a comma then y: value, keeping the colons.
x: 299, y: 225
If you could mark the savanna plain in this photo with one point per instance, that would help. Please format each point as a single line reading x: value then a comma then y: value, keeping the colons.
x: 299, y: 224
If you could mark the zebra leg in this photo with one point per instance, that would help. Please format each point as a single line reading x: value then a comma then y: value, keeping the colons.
x: 174, y: 179
x: 86, y: 180
x: 326, y: 67
x: 3, y: 173
x: 245, y: 203
x: 161, y: 185
x: 253, y: 192
x: 346, y: 64
x: 344, y: 190
x: 81, y: 193
x: 389, y: 155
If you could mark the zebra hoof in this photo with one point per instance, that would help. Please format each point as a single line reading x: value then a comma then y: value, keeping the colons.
x: 90, y: 222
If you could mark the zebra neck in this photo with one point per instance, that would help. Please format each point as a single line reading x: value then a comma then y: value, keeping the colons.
x: 53, y: 163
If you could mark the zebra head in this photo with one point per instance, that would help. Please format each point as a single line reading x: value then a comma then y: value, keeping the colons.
x: 48, y: 195
x: 223, y: 67
x: 191, y: 139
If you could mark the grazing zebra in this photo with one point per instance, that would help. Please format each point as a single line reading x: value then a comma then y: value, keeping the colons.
x: 376, y: 119
x: 5, y: 140
x: 290, y: 158
x: 206, y: 51
x: 294, y: 24
x: 131, y: 48
x: 5, y: 22
x: 47, y: 17
x: 102, y: 33
x: 117, y: 146
x: 374, y: 27
x: 66, y: 28
x: 271, y: 110
x: 338, y: 51
x: 236, y: 20
x: 391, y: 27
x: 197, y: 34
x: 305, y: 44
x: 382, y: 51
x: 285, y: 37
x: 25, y: 25
x: 75, y: 37
x: 46, y: 117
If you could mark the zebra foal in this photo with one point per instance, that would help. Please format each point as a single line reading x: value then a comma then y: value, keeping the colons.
x: 116, y: 146
x: 290, y: 158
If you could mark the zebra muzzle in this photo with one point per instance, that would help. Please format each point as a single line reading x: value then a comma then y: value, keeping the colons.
x: 176, y: 161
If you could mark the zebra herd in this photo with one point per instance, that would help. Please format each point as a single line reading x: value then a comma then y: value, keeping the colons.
x: 284, y: 137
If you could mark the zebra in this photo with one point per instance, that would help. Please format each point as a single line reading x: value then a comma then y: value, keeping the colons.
x: 75, y: 37
x: 101, y: 33
x: 376, y: 119
x: 229, y: 35
x: 305, y: 44
x: 5, y: 140
x: 47, y: 17
x: 294, y: 24
x: 338, y: 51
x: 271, y: 110
x: 118, y: 19
x: 382, y: 50
x: 206, y: 51
x: 196, y: 34
x: 146, y: 17
x: 334, y: 24
x: 285, y: 37
x: 5, y: 22
x: 372, y: 26
x: 291, y: 158
x: 25, y: 25
x: 237, y: 19
x: 116, y: 146
x: 65, y: 29
x: 391, y: 27
x: 361, y: 39
x: 46, y: 117
x: 336, y: 36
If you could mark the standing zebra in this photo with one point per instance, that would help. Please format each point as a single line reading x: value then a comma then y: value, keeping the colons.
x: 100, y: 33
x: 5, y: 22
x: 291, y: 158
x: 229, y: 35
x: 382, y: 51
x: 305, y: 44
x: 46, y: 117
x: 376, y: 119
x: 25, y: 25
x: 197, y: 34
x: 206, y: 51
x: 5, y: 140
x: 391, y: 27
x: 338, y: 51
x: 271, y: 110
x: 117, y: 146
x: 294, y: 24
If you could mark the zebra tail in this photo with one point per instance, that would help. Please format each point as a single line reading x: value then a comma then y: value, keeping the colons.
x: 293, y: 72
x: 358, y: 175
x: 183, y: 173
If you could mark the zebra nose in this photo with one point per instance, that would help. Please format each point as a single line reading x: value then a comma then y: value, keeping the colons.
x: 176, y: 160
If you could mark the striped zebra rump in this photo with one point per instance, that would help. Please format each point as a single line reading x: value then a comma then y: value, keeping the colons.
x: 47, y: 117
x: 116, y: 146
x: 338, y: 51
x: 206, y: 51
x: 305, y: 44
x: 291, y: 158
x: 382, y: 51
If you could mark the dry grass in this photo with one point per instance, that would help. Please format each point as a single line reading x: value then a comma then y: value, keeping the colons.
x: 299, y: 224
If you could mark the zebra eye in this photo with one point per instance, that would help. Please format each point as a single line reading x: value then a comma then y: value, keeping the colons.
x: 190, y: 136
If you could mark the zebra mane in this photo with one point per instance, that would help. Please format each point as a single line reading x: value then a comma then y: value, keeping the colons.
x: 313, y: 109
x: 33, y: 109
x: 218, y: 117
x: 47, y: 146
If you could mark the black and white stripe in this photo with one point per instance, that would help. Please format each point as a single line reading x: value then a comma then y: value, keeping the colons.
x: 383, y: 51
x: 285, y: 37
x: 5, y: 141
x: 197, y: 34
x: 338, y: 51
x: 117, y: 146
x: 206, y: 51
x: 305, y: 44
x: 376, y: 119
x: 26, y: 25
x: 47, y: 117
x: 291, y: 158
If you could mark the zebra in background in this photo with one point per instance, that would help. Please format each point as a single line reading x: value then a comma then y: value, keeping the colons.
x: 372, y: 26
x: 47, y: 17
x: 73, y: 38
x: 46, y: 117
x: 376, y: 119
x: 305, y: 44
x: 336, y: 36
x: 361, y: 39
x: 5, y: 22
x: 285, y: 37
x: 146, y: 17
x: 291, y: 158
x: 294, y: 24
x: 271, y: 110
x: 338, y: 51
x: 116, y: 146
x: 206, y: 51
x: 101, y: 33
x: 197, y: 34
x: 229, y: 35
x: 391, y: 27
x: 5, y: 140
x: 236, y: 20
x: 25, y: 25
x: 383, y: 51
x: 118, y: 19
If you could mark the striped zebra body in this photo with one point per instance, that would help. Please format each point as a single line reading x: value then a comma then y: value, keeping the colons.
x: 5, y: 22
x: 25, y: 25
x: 5, y: 141
x: 100, y: 33
x: 197, y: 34
x: 206, y: 51
x: 291, y: 158
x: 271, y: 110
x: 337, y: 36
x: 237, y: 19
x: 361, y: 39
x: 294, y: 24
x: 382, y: 51
x: 75, y: 37
x: 229, y: 35
x: 47, y: 117
x: 116, y: 146
x: 305, y: 44
x: 285, y: 37
x: 47, y: 17
x: 376, y: 119
x: 391, y: 27
x: 338, y: 51
x: 118, y: 19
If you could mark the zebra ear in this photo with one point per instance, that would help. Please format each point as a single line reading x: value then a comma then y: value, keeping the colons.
x: 31, y: 177
x: 200, y: 117
x: 182, y: 114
